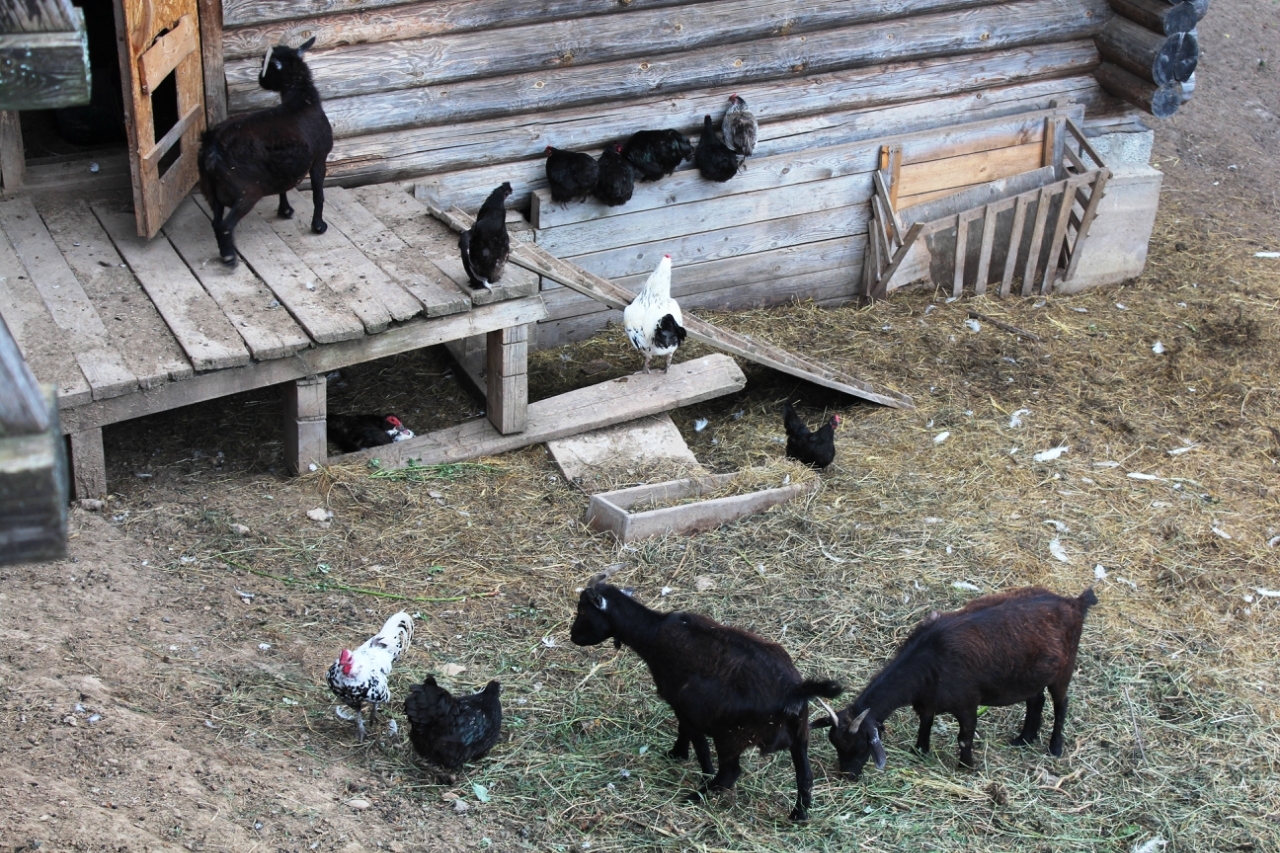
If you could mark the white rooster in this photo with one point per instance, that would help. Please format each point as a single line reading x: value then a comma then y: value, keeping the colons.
x: 360, y: 676
x: 653, y: 320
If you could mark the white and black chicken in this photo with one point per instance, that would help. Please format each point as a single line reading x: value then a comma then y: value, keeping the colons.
x: 653, y: 320
x: 739, y: 127
x: 359, y: 676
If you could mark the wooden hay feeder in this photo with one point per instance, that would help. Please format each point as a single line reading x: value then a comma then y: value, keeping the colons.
x: 613, y: 511
x: 982, y: 204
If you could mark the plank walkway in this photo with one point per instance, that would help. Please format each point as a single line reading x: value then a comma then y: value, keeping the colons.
x: 125, y: 327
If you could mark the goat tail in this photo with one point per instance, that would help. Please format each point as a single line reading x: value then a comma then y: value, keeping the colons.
x: 1086, y: 599
x: 826, y: 688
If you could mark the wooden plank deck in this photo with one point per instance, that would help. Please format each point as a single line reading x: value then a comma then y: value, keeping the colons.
x: 125, y: 327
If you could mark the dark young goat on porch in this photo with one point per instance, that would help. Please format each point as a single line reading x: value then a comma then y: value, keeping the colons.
x: 724, y: 683
x: 267, y: 152
x: 998, y: 650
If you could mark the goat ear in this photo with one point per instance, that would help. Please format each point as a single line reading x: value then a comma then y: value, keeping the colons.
x: 593, y: 595
x: 629, y: 591
x: 877, y: 750
x: 306, y: 45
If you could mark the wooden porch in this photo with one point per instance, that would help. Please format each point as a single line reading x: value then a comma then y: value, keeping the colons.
x: 125, y: 327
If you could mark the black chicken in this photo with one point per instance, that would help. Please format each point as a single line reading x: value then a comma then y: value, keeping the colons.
x: 816, y: 449
x: 614, y: 181
x: 715, y: 160
x: 655, y: 154
x: 570, y: 174
x: 356, y: 432
x: 485, y: 245
x: 451, y: 731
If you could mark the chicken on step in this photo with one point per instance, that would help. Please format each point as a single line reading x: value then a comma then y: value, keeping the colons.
x: 655, y: 154
x: 739, y: 127
x: 615, y: 181
x: 571, y: 175
x: 451, y: 730
x: 715, y: 160
x: 360, y: 675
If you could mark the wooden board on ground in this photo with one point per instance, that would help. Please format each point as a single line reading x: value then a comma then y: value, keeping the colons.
x: 33, y: 492
x: 194, y: 317
x: 268, y: 331
x: 66, y: 300
x: 620, y: 512
x: 640, y: 442
x: 535, y: 258
x: 608, y: 403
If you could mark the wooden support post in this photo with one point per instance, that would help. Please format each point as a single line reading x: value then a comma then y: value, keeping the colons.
x: 984, y: 255
x: 211, y: 61
x: 88, y: 464
x: 1015, y: 242
x: 508, y: 380
x: 305, y: 410
x: 33, y: 490
x: 13, y: 164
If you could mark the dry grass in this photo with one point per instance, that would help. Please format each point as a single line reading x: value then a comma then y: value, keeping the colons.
x: 1173, y: 729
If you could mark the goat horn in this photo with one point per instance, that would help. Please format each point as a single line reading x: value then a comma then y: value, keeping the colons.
x: 856, y: 722
x: 831, y: 712
x: 265, y: 60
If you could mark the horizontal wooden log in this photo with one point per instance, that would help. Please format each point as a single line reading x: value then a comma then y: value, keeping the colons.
x: 453, y: 14
x: 1158, y: 15
x: 1157, y: 58
x: 980, y: 30
x: 416, y: 58
x: 1160, y: 101
x: 793, y: 114
x: 44, y: 70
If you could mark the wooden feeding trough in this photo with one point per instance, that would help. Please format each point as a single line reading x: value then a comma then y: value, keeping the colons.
x: 1022, y: 181
x: 623, y: 512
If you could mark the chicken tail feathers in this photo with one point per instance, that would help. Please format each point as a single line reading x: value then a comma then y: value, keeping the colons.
x: 791, y: 421
x: 669, y: 333
x: 396, y: 634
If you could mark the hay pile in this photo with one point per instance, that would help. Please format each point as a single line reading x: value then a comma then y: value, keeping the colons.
x: 1163, y: 496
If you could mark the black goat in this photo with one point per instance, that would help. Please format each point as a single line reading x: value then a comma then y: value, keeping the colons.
x: 269, y: 151
x: 724, y: 683
x: 998, y: 650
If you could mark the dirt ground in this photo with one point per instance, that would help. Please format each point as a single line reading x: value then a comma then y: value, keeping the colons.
x: 160, y: 690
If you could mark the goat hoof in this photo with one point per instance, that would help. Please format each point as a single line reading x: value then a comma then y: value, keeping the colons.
x: 286, y: 213
x: 1022, y: 741
x: 320, y: 227
x: 799, y: 814
x: 229, y: 260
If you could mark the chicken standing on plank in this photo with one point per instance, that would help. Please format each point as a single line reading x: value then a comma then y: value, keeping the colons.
x: 653, y: 320
x: 486, y: 245
x: 357, y: 432
x: 715, y: 160
x: 816, y: 449
x: 360, y: 676
x: 615, y: 181
x: 739, y: 127
x: 655, y: 154
x: 571, y: 175
x: 449, y: 730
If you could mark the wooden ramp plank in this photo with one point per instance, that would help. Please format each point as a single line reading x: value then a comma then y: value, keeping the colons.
x: 608, y: 403
x: 72, y: 311
x: 339, y: 262
x: 269, y: 332
x: 406, y: 265
x: 44, y: 345
x: 321, y: 313
x: 539, y: 260
x: 137, y: 330
x: 197, y: 322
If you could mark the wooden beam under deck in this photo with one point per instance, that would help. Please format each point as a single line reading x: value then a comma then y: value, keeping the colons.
x: 414, y: 334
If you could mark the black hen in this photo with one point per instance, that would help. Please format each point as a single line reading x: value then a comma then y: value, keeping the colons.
x: 570, y: 174
x: 715, y: 160
x: 451, y: 731
x: 655, y: 154
x: 614, y: 180
x: 485, y: 245
x: 356, y: 432
x: 816, y: 449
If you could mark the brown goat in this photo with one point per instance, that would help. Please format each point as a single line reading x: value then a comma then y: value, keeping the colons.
x: 998, y: 650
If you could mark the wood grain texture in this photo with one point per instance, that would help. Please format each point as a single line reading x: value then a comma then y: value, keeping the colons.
x: 33, y: 490
x: 41, y: 71
x: 66, y: 301
x: 13, y: 159
x: 23, y: 408
x: 414, y: 334
x: 38, y: 16
x: 980, y: 30
x: 241, y: 295
x: 451, y: 14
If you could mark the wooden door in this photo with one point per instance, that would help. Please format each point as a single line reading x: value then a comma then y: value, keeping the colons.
x: 160, y: 66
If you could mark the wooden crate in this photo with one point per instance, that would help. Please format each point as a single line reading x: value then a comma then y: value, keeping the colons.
x: 966, y: 213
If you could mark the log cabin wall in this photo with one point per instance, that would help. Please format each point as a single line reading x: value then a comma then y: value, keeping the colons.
x: 464, y: 94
